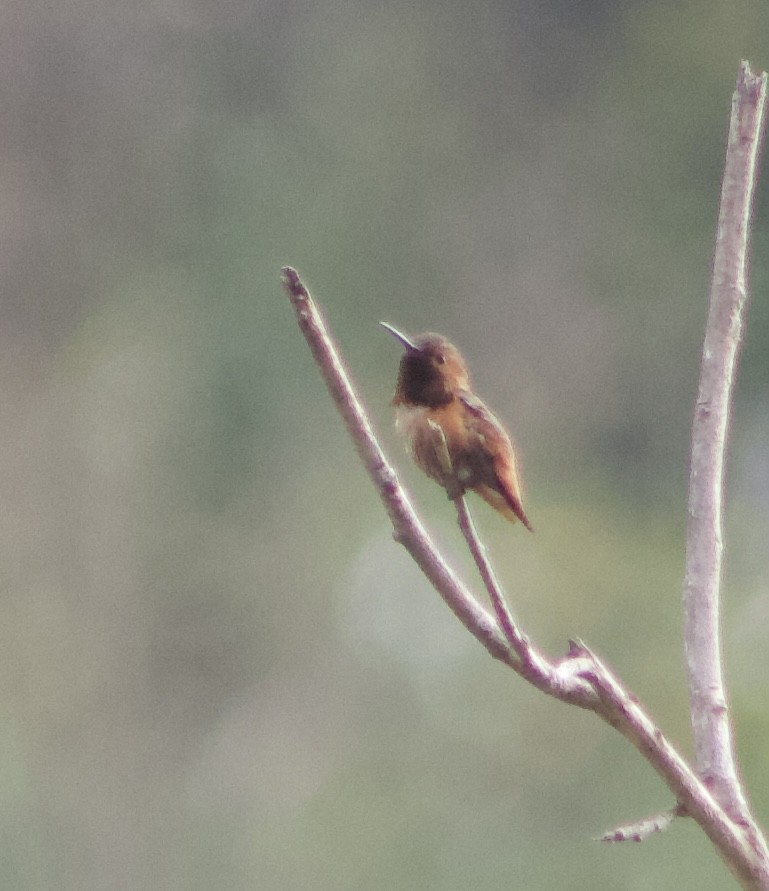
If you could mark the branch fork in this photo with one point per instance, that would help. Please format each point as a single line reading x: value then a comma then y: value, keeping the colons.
x: 712, y: 795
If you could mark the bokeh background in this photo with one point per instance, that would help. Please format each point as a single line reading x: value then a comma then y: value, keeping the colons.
x: 217, y: 670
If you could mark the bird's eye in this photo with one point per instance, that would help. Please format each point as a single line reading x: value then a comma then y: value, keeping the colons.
x: 440, y: 359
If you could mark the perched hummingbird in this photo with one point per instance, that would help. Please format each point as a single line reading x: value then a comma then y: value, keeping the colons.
x: 433, y: 397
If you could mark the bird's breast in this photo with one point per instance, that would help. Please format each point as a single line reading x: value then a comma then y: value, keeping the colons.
x: 409, y: 419
x: 414, y: 422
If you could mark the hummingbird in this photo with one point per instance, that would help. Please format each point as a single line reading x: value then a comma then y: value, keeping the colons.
x: 451, y: 434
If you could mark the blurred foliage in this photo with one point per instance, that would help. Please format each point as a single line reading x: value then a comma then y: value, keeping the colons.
x: 218, y: 670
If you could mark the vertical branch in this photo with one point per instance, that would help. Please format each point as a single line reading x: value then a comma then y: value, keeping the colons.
x: 716, y: 761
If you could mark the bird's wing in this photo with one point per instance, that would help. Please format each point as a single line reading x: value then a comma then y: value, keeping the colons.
x: 500, y: 477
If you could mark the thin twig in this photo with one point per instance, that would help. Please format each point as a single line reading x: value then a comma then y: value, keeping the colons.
x: 528, y: 655
x: 507, y: 623
x: 642, y: 829
x: 716, y: 761
x: 477, y: 549
x: 580, y: 678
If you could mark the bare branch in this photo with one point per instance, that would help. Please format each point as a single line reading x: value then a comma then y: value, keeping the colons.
x: 407, y: 529
x: 716, y: 762
x: 518, y: 641
x: 580, y: 678
x: 505, y: 618
x: 532, y: 664
x: 406, y: 525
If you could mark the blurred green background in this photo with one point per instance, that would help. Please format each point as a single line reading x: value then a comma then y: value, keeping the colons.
x: 218, y: 670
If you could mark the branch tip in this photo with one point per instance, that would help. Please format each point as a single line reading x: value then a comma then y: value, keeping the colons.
x: 293, y: 283
x: 577, y: 649
x: 642, y: 829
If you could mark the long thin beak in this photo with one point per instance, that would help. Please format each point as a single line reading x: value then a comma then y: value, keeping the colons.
x: 398, y: 336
